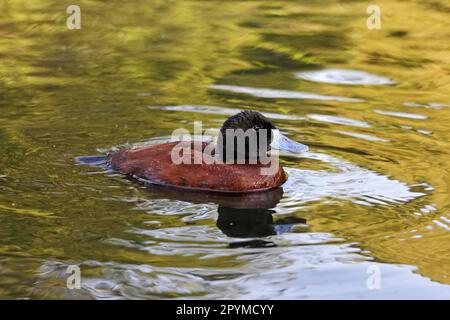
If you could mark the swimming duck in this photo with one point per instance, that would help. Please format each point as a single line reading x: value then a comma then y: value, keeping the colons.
x: 154, y: 164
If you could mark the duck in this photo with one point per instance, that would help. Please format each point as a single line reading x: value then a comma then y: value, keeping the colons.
x: 238, y: 171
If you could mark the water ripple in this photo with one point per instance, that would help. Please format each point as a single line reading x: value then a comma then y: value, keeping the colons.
x: 362, y: 136
x: 280, y: 94
x: 338, y: 120
x: 431, y: 105
x: 346, y: 181
x: 313, y: 272
x: 401, y: 114
x: 224, y: 111
x: 341, y: 76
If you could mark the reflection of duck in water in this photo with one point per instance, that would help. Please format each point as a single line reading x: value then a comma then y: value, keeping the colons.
x: 252, y: 223
x: 155, y: 163
x: 246, y: 215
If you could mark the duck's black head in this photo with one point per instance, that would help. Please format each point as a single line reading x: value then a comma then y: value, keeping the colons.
x: 247, y: 119
x: 249, y: 135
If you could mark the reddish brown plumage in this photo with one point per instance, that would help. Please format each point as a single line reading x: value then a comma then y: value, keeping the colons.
x: 154, y: 164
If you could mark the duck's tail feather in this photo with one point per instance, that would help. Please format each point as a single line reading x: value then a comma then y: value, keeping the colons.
x: 96, y: 161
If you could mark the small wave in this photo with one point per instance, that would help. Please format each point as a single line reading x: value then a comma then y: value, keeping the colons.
x: 362, y: 136
x: 224, y: 111
x: 341, y: 76
x: 346, y: 181
x: 401, y: 114
x: 431, y: 105
x: 281, y: 94
x: 338, y: 120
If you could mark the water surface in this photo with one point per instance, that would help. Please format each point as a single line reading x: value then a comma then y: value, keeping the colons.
x: 372, y: 193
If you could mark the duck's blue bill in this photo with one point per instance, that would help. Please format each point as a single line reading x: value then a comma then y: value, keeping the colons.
x: 283, y: 143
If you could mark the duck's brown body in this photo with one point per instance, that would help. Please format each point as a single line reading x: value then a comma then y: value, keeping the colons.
x: 155, y: 164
